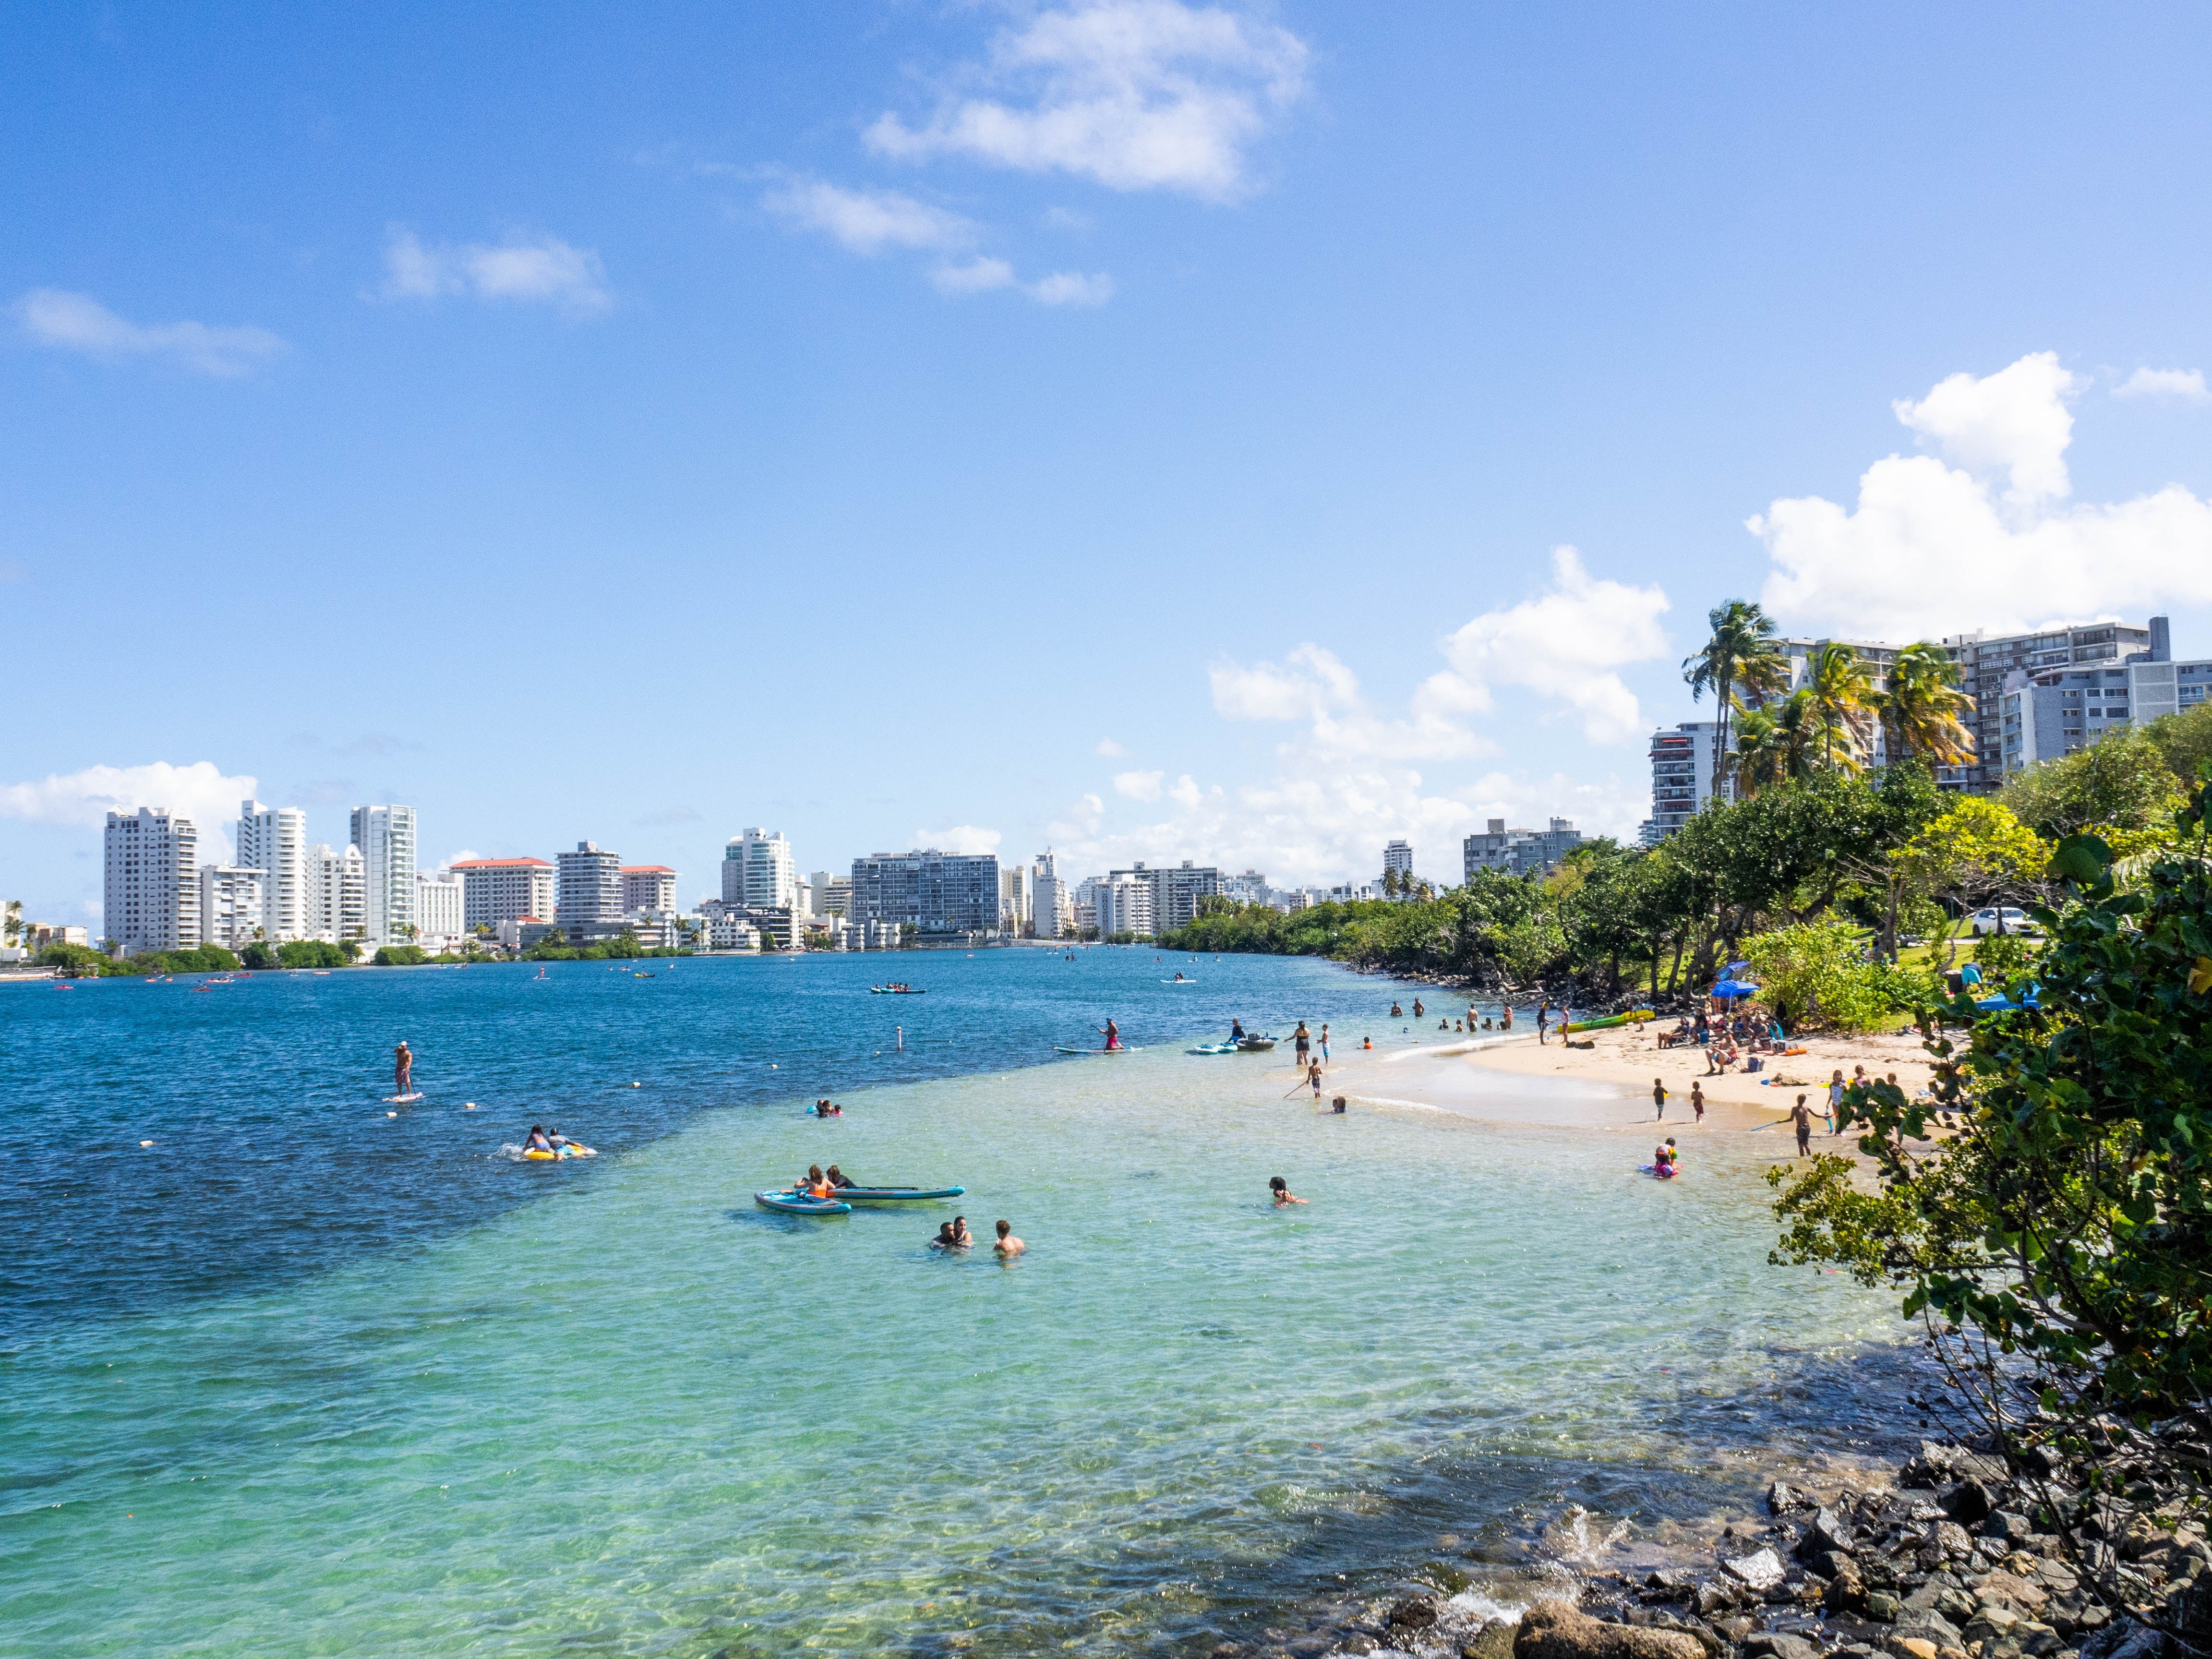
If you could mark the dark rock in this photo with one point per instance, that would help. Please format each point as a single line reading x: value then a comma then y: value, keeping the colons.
x: 2008, y: 1525
x: 1882, y: 1606
x: 1788, y: 1500
x: 1414, y: 1613
x: 1493, y: 1641
x: 1779, y: 1644
x: 1950, y: 1539
x: 1309, y: 1647
x: 1845, y: 1593
x: 1737, y: 1629
x: 1834, y: 1565
x: 1825, y: 1534
x: 1933, y: 1625
x: 1552, y: 1629
x: 1359, y: 1644
x: 2036, y: 1638
x: 1670, y: 1584
x: 1943, y: 1466
x: 1714, y: 1596
x: 1968, y: 1502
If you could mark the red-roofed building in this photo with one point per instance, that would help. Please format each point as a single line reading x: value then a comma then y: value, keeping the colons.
x: 647, y: 887
x: 494, y: 890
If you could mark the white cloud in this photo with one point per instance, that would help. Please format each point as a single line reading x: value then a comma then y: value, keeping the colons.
x: 1137, y: 94
x: 1139, y: 786
x: 1934, y: 548
x: 199, y: 792
x: 1310, y: 685
x: 960, y: 838
x: 77, y: 322
x: 2182, y: 385
x: 1069, y: 288
x: 548, y: 272
x: 2016, y: 420
x: 977, y: 275
x: 1564, y: 644
x: 1107, y: 747
x: 868, y: 221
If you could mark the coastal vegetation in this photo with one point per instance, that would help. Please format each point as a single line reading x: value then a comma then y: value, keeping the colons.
x: 82, y: 959
x: 2049, y: 1209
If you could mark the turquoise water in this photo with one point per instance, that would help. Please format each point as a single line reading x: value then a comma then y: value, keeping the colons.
x: 615, y: 1408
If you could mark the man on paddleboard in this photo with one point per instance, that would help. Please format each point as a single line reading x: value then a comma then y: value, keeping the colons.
x: 403, y: 1070
x: 1113, y: 1033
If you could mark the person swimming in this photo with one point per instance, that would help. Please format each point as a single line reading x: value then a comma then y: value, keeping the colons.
x: 538, y: 1141
x: 1008, y: 1245
x: 838, y: 1177
x: 1281, y: 1189
x: 824, y: 1108
x: 953, y: 1235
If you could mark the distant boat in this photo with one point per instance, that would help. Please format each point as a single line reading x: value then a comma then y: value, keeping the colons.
x: 899, y: 990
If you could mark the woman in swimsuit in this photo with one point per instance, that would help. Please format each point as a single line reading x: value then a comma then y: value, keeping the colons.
x: 817, y: 1184
x: 1281, y: 1189
x: 538, y: 1141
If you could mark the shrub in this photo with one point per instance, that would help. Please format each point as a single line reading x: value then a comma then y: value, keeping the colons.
x: 1816, y: 974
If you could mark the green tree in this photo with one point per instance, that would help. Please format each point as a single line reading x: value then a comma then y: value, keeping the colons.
x: 1739, y: 659
x: 11, y: 923
x: 1841, y: 690
x: 2183, y: 741
x: 1774, y: 743
x: 1976, y: 851
x: 2121, y: 780
x: 1923, y: 710
x: 2067, y: 1219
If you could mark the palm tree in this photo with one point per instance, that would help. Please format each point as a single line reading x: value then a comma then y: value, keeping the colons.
x: 1923, y: 710
x: 1842, y: 689
x: 1738, y: 659
x: 1774, y: 743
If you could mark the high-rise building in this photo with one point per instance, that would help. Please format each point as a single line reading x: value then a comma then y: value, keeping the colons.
x: 1681, y: 776
x: 232, y: 901
x: 275, y: 839
x: 1176, y: 891
x: 338, y: 899
x: 1986, y: 664
x: 757, y: 869
x: 1123, y: 904
x: 590, y: 899
x: 1014, y: 899
x: 1399, y: 855
x: 494, y: 890
x: 385, y: 836
x: 647, y: 887
x: 441, y: 902
x: 1519, y: 852
x: 1052, y: 910
x: 2058, y: 710
x: 153, y: 886
x: 832, y: 893
x: 931, y: 891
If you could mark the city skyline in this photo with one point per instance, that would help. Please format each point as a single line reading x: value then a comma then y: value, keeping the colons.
x: 1431, y: 361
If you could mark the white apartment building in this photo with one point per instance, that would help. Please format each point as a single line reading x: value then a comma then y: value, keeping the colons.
x: 385, y: 836
x: 1682, y: 775
x: 440, y: 904
x: 757, y: 869
x: 1052, y: 909
x: 152, y: 893
x: 505, y: 889
x: 1519, y: 852
x: 832, y: 894
x: 589, y: 899
x: 1399, y: 855
x: 274, y: 840
x: 337, y: 894
x: 647, y: 887
x: 1125, y: 905
x: 232, y: 905
x: 731, y: 932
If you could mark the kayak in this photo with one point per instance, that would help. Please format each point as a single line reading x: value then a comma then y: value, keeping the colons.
x: 791, y: 1204
x: 894, y: 1194
x: 1610, y: 1022
x: 1126, y: 1048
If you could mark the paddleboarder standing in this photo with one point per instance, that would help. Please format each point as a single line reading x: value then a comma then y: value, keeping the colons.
x: 403, y: 1070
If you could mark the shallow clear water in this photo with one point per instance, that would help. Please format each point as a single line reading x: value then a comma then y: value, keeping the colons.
x: 612, y: 1407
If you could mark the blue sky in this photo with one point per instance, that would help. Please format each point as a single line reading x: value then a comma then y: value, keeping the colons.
x: 1144, y: 427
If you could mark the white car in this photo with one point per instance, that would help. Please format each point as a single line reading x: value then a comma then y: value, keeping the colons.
x: 2015, y: 920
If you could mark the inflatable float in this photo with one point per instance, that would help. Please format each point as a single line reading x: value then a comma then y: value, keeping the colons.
x: 798, y: 1204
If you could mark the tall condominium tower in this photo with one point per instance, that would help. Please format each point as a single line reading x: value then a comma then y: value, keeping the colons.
x: 591, y: 890
x: 386, y: 836
x: 757, y: 869
x: 505, y: 889
x: 274, y: 840
x: 153, y: 888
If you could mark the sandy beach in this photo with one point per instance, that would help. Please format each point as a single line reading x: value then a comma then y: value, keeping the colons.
x: 1609, y: 1082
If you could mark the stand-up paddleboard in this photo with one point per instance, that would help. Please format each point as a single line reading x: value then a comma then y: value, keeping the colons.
x: 1217, y: 1048
x: 1126, y: 1048
x: 1178, y: 982
x: 895, y: 1195
x: 794, y: 1203
x: 401, y: 1100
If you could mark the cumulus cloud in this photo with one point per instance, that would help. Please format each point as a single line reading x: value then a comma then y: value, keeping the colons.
x: 1312, y: 685
x: 867, y: 220
x: 77, y: 322
x: 1137, y: 95
x: 1564, y: 644
x: 1982, y: 537
x: 1107, y: 747
x: 1139, y: 786
x: 977, y: 275
x: 200, y: 791
x: 960, y: 838
x: 545, y: 272
x: 2184, y: 385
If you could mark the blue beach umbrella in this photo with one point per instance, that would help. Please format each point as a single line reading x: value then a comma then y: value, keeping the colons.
x: 1729, y: 990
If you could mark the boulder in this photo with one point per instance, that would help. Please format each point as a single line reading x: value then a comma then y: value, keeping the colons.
x: 1882, y: 1608
x: 1713, y: 1595
x: 1493, y: 1641
x: 1950, y: 1539
x: 1553, y: 1630
x: 1825, y: 1534
x: 1414, y: 1613
x: 1782, y: 1499
x: 1779, y: 1644
x: 1761, y: 1570
x: 1844, y: 1593
x: 1912, y: 1647
x: 1970, y: 1501
x: 2009, y: 1525
x: 2002, y: 1586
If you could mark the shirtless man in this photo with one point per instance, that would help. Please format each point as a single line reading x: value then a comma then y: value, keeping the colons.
x: 1803, y: 1119
x: 403, y: 1070
x: 1008, y: 1245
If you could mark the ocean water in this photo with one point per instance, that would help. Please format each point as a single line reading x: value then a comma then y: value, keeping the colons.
x: 305, y: 1377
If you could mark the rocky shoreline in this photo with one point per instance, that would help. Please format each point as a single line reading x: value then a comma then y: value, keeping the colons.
x: 1962, y: 1558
